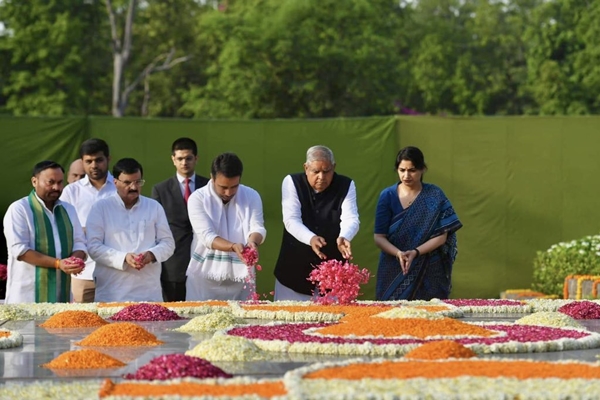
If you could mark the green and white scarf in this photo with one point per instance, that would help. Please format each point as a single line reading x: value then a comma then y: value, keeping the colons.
x: 51, y: 285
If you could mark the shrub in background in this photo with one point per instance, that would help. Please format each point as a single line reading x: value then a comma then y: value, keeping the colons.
x: 577, y: 257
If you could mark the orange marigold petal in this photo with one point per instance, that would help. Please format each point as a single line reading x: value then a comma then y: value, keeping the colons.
x: 439, y: 350
x: 263, y: 389
x: 453, y: 369
x: 416, y: 327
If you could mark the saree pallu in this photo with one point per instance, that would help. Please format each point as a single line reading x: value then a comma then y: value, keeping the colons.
x: 429, y: 275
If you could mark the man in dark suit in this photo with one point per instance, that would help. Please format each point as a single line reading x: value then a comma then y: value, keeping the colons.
x: 173, y: 194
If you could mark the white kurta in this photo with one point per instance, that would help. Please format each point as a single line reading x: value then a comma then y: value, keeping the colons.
x: 20, y: 237
x: 213, y: 274
x: 82, y: 195
x: 113, y: 231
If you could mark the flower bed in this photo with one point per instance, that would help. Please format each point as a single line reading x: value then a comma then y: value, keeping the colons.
x: 490, y: 306
x: 363, y: 328
x: 444, y: 379
x: 318, y: 338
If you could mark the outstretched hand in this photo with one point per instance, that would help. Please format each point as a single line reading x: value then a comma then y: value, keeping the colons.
x: 344, y: 247
x: 317, y: 242
x: 238, y: 248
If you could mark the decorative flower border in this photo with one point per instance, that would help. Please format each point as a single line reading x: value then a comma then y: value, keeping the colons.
x: 467, y: 387
x: 14, y: 339
x: 552, y: 305
x: 490, y: 306
x: 49, y: 309
x: 31, y: 311
x: 457, y: 308
x: 50, y: 390
x: 280, y: 310
x: 14, y: 312
x: 292, y: 338
x: 253, y: 387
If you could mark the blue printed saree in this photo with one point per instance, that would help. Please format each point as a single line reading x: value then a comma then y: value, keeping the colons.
x: 429, y: 276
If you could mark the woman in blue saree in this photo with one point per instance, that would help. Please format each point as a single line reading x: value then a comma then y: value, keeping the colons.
x: 415, y: 227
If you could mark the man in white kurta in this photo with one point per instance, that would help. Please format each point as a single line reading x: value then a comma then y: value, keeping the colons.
x: 225, y: 216
x: 98, y: 183
x: 123, y: 229
x: 20, y: 232
x: 82, y: 195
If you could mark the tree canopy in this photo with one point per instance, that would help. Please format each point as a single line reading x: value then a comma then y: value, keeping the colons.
x: 299, y: 58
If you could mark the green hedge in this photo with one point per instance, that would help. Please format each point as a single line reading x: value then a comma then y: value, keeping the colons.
x: 577, y: 257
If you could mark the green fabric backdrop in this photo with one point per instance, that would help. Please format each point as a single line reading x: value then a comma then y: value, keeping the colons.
x: 518, y: 184
x: 269, y: 150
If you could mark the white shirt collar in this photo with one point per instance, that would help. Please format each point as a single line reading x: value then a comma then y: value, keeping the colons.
x: 122, y: 203
x: 110, y: 180
x: 181, y: 178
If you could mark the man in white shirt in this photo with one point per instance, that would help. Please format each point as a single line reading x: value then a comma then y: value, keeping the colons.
x: 42, y: 234
x: 320, y: 216
x: 76, y: 171
x: 128, y: 237
x: 97, y: 184
x: 226, y: 216
x: 173, y: 194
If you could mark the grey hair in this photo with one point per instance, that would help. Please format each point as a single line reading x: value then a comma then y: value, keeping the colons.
x: 319, y: 153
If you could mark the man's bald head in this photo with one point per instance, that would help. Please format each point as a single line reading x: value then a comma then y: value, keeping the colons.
x: 76, y: 171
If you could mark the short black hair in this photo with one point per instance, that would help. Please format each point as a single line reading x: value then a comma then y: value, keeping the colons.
x: 184, y: 144
x: 93, y: 146
x: 227, y: 164
x: 44, y: 165
x: 127, y: 166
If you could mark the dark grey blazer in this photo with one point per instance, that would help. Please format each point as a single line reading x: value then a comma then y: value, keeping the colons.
x: 168, y: 193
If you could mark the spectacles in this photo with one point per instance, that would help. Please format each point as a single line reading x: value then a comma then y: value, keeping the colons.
x: 139, y: 182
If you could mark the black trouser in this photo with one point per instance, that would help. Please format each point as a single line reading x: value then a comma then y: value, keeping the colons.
x: 173, y: 291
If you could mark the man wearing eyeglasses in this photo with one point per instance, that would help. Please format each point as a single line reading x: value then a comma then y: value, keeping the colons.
x: 128, y: 236
x: 97, y: 184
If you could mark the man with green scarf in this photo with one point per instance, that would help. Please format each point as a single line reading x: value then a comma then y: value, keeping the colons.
x: 46, y: 244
